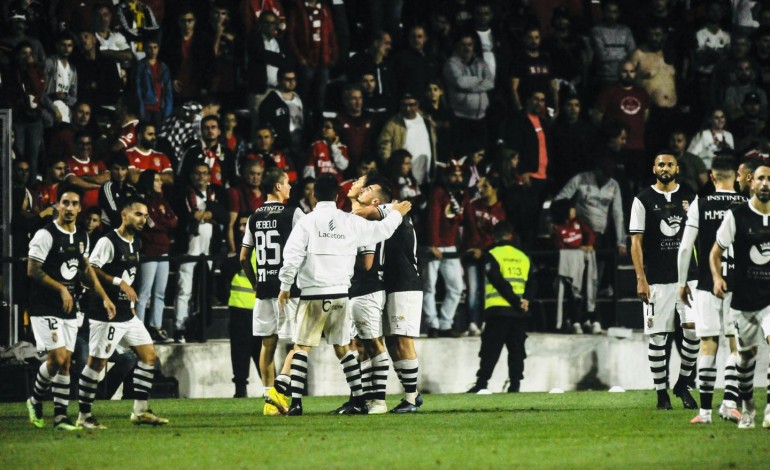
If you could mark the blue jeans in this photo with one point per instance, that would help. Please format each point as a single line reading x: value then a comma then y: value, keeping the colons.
x: 476, y: 296
x: 452, y: 271
x: 154, y: 275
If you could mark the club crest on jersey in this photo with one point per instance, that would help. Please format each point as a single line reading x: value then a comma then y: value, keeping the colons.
x: 107, y: 349
x: 670, y: 226
x: 69, y: 269
x: 54, y: 337
x: 760, y: 254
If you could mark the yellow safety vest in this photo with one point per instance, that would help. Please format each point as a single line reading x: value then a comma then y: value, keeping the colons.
x: 241, y: 293
x: 514, y: 266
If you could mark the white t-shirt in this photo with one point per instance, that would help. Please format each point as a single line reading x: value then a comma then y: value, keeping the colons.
x: 272, y: 71
x: 417, y: 142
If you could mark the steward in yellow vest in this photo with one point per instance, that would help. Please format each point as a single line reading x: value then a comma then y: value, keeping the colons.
x: 244, y: 346
x: 506, y: 270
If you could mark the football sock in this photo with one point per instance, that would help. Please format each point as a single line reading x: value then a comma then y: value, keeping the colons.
x: 143, y: 378
x: 380, y: 366
x: 768, y: 387
x: 745, y: 370
x: 299, y: 367
x: 89, y: 379
x: 42, y: 384
x: 352, y: 370
x: 689, y: 354
x: 731, y: 380
x: 707, y: 375
x: 282, y: 384
x: 367, y: 381
x: 409, y: 370
x: 656, y: 354
x: 61, y: 396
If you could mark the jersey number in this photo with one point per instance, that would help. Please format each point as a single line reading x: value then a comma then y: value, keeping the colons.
x: 111, y: 333
x: 727, y: 259
x: 268, y: 247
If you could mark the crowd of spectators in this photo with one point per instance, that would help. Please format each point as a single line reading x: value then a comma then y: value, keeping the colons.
x: 478, y: 111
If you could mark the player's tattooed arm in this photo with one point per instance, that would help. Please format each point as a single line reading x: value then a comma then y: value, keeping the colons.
x: 35, y: 271
x: 91, y: 276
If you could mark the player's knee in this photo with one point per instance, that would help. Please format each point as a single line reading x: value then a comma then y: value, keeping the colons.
x: 96, y: 364
x: 748, y: 354
x: 148, y: 356
x: 58, y: 358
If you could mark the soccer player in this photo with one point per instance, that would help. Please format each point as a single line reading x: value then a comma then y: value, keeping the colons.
x: 746, y: 230
x: 403, y: 310
x: 713, y: 314
x: 320, y: 254
x: 58, y: 261
x: 658, y: 214
x: 115, y: 260
x: 367, y: 293
x: 267, y: 230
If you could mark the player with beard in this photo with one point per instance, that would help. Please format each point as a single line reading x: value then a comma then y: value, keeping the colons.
x: 746, y: 230
x: 58, y: 261
x: 658, y: 214
x: 115, y: 260
x: 713, y: 314
x: 267, y: 230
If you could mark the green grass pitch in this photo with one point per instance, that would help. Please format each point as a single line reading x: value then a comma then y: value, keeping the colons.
x: 527, y: 430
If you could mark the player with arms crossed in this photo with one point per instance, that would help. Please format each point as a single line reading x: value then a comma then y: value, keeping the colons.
x: 58, y: 261
x: 712, y: 313
x: 746, y: 229
x: 267, y: 230
x: 658, y: 214
x: 115, y: 260
x: 320, y: 254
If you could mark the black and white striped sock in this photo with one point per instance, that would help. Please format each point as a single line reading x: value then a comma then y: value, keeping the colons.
x: 380, y: 366
x: 689, y: 353
x: 409, y: 373
x: 707, y: 376
x: 745, y: 370
x: 42, y: 384
x: 352, y: 370
x: 731, y: 380
x: 144, y: 375
x: 367, y: 383
x: 89, y: 379
x: 60, y: 387
x: 656, y: 354
x: 299, y: 367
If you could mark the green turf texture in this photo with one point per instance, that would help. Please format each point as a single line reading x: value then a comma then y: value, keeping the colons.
x: 527, y: 430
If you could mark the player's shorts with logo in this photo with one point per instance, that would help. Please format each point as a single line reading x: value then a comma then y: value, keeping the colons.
x: 105, y: 336
x: 268, y: 319
x: 752, y: 327
x: 367, y: 311
x: 663, y: 304
x: 54, y: 332
x: 327, y: 317
x: 712, y: 314
x: 403, y: 313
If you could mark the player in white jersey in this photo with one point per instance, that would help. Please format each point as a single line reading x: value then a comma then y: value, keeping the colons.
x: 320, y: 254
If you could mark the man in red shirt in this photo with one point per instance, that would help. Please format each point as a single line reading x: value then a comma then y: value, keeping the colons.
x: 84, y: 172
x: 244, y: 198
x: 449, y: 209
x: 357, y: 127
x: 143, y: 156
x: 263, y: 150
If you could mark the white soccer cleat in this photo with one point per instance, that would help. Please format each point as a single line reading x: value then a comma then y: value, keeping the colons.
x: 90, y: 423
x: 766, y: 421
x: 377, y: 407
x: 728, y: 411
x: 749, y: 413
x: 704, y: 417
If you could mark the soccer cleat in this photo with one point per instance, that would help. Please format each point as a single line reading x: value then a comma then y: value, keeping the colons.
x: 728, y: 411
x: 270, y: 410
x: 377, y: 407
x: 354, y: 409
x: 766, y: 421
x: 664, y: 403
x: 35, y: 414
x: 340, y: 409
x: 65, y: 424
x: 418, y: 400
x: 90, y: 423
x: 148, y: 417
x: 704, y: 417
x: 295, y: 410
x: 748, y: 415
x: 687, y: 400
x: 405, y: 407
x: 475, y: 389
x: 277, y: 399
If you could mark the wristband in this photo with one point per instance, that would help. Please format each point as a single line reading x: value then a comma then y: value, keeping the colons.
x: 116, y: 281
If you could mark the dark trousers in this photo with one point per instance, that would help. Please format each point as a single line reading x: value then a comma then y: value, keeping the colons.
x: 502, y: 330
x: 244, y: 346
